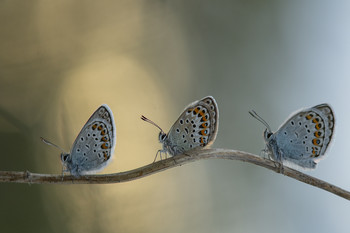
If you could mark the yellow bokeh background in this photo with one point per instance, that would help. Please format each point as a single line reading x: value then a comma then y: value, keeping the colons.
x: 60, y: 60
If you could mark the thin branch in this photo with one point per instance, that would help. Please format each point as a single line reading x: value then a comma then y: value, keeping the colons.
x: 34, y: 178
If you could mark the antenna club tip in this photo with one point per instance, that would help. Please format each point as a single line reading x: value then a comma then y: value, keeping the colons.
x: 151, y: 122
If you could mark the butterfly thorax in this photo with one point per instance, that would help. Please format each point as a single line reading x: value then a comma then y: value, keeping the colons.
x: 71, y: 165
x: 271, y: 144
x: 168, y: 146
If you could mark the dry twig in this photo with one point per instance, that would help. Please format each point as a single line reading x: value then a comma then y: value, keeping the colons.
x: 34, y: 178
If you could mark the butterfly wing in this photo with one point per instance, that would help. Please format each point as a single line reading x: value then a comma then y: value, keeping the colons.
x: 197, y: 126
x: 304, y: 138
x: 94, y: 146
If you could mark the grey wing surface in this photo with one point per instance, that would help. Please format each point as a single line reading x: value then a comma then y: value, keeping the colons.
x: 94, y: 146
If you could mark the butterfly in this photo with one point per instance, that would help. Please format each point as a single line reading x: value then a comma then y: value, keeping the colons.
x: 303, y: 139
x: 94, y: 146
x: 196, y: 127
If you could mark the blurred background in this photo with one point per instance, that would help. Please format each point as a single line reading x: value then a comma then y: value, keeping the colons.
x: 60, y: 60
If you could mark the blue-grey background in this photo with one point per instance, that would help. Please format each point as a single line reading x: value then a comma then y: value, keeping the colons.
x: 59, y: 60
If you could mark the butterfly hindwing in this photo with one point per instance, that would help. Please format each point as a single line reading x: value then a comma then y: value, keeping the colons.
x: 197, y: 126
x: 304, y: 138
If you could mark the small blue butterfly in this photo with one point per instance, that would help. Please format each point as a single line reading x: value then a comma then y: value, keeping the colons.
x: 94, y: 146
x: 303, y: 139
x: 196, y: 127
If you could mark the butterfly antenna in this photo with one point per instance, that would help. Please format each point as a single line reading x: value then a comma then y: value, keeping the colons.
x: 51, y: 144
x: 151, y: 122
x: 259, y: 118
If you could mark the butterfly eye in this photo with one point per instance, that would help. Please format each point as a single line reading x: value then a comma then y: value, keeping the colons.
x: 267, y: 134
x: 64, y: 157
x: 162, y: 136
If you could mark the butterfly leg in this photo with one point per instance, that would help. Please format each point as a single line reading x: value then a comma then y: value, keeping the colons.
x: 62, y: 174
x: 265, y: 152
x: 277, y: 162
x: 275, y: 154
x: 160, y: 155
x: 280, y: 163
x: 281, y: 168
x: 64, y: 170
x: 269, y: 156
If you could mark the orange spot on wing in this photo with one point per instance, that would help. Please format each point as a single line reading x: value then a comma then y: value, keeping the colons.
x: 104, y: 139
x: 309, y: 117
x: 100, y: 127
x: 318, y: 126
x: 94, y: 127
x: 202, y: 132
x: 315, y: 120
x: 314, y: 152
x: 315, y: 141
x: 105, y: 155
x: 104, y: 146
x: 204, y: 125
x: 103, y: 132
x: 317, y: 134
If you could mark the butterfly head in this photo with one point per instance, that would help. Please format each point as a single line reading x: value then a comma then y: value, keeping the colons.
x: 267, y: 134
